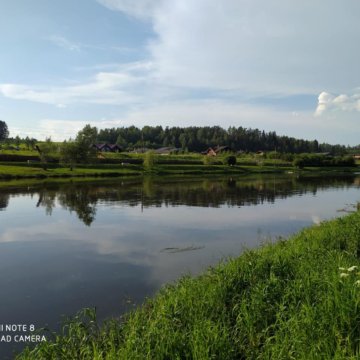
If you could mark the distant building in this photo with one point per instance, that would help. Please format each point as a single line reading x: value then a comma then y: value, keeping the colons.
x: 209, y: 152
x: 107, y: 147
x: 216, y: 150
x: 357, y: 156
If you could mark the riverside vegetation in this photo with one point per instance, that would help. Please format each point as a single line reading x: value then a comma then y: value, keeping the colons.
x: 29, y: 158
x: 15, y: 165
x: 298, y: 298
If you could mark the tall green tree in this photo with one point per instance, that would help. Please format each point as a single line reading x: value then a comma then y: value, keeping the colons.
x: 4, y: 131
x: 27, y: 142
x: 85, y: 140
x: 17, y: 140
x: 45, y: 150
x: 69, y: 154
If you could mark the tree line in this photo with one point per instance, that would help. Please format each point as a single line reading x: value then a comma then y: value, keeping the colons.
x: 198, y: 139
x: 192, y: 139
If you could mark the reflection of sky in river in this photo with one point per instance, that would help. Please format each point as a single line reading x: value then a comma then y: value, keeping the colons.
x: 52, y: 265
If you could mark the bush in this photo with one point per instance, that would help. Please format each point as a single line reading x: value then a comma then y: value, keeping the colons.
x: 299, y: 163
x: 322, y: 160
x: 230, y: 160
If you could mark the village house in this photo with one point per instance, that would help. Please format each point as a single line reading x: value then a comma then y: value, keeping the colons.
x: 107, y: 147
x: 216, y: 150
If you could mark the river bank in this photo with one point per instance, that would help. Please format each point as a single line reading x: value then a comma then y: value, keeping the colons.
x: 23, y: 171
x: 297, y: 298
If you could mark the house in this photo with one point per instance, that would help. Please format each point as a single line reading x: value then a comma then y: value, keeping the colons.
x: 107, y: 147
x: 357, y: 156
x: 209, y: 152
x: 216, y: 150
x: 114, y: 148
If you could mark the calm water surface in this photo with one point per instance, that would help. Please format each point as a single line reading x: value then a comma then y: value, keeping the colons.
x: 112, y: 243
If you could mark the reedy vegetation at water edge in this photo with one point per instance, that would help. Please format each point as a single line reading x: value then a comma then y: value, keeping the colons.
x: 286, y: 300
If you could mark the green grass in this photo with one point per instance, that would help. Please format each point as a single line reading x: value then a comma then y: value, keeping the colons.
x: 21, y: 170
x: 286, y: 300
x: 18, y: 171
x: 182, y: 164
x: 21, y: 152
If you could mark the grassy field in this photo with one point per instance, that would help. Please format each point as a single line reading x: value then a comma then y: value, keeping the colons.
x: 163, y: 165
x: 20, y: 170
x: 295, y: 299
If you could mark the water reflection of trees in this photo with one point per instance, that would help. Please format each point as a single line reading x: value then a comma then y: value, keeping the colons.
x: 83, y: 198
x: 4, y: 201
x: 46, y: 200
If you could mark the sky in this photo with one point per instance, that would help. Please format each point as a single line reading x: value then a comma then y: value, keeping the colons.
x: 280, y: 65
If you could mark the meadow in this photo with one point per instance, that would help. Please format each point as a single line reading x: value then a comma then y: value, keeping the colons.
x: 26, y: 164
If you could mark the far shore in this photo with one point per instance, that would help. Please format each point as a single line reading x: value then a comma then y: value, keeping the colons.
x: 31, y: 172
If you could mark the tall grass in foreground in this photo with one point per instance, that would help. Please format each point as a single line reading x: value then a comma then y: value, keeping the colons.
x: 288, y: 300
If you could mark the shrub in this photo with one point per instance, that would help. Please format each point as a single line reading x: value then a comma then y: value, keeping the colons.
x: 302, y: 160
x: 230, y: 160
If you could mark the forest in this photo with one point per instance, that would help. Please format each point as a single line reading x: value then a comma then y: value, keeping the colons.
x: 200, y: 138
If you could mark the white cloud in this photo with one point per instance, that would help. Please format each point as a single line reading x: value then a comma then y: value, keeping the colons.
x: 105, y: 88
x: 329, y: 103
x: 254, y: 46
x: 63, y: 129
x: 323, y: 100
x: 59, y: 129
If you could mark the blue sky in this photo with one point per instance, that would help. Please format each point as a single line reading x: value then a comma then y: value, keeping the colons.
x: 269, y: 65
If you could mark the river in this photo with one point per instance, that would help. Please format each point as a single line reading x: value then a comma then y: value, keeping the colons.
x: 112, y: 243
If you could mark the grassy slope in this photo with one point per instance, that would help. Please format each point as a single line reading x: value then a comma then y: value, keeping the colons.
x: 18, y: 170
x: 282, y: 301
x: 25, y: 171
x: 164, y: 164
